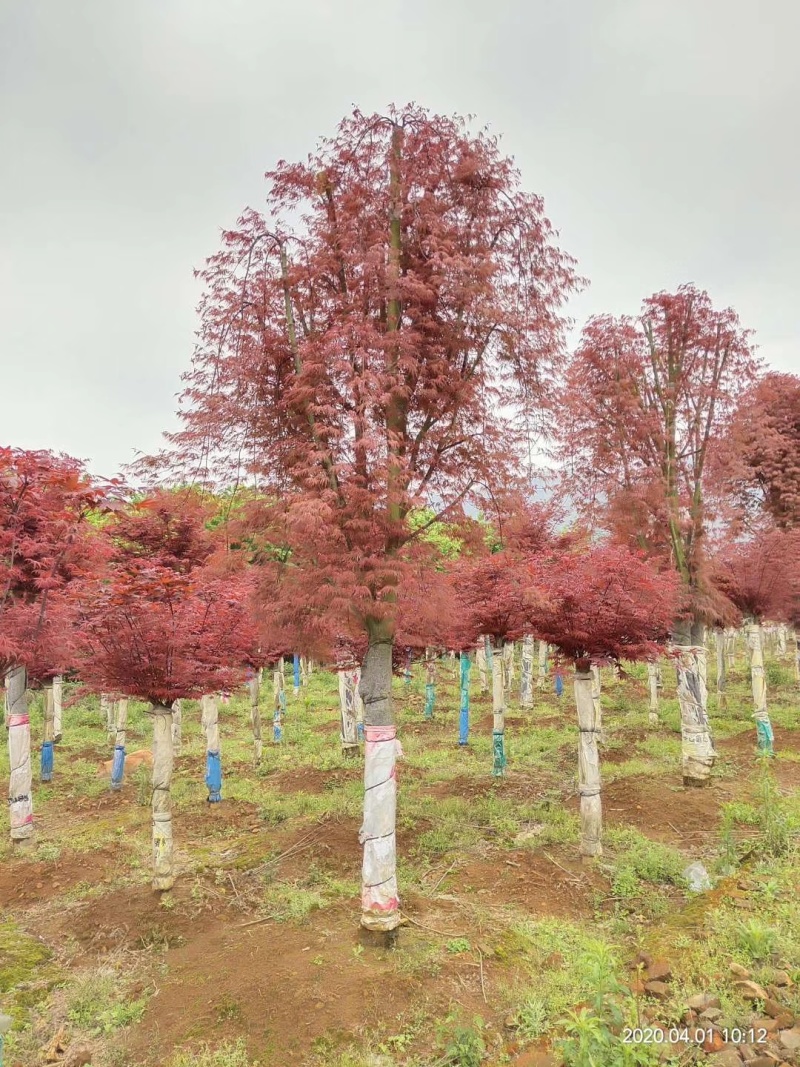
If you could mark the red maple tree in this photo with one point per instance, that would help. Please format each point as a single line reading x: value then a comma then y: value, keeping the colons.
x: 381, y: 338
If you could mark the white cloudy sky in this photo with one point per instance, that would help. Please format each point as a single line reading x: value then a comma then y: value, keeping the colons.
x: 663, y: 135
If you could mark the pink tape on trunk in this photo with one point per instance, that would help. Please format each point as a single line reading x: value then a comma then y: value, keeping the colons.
x: 379, y: 733
x: 18, y: 720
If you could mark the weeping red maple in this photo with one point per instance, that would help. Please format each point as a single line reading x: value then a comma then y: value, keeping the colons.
x: 645, y: 402
x: 45, y: 501
x: 381, y: 338
x: 162, y: 620
x: 603, y: 604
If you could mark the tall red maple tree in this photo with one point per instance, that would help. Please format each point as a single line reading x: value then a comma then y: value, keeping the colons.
x: 646, y: 399
x: 381, y: 337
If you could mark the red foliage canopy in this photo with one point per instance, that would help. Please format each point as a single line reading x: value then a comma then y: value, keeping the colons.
x: 759, y: 456
x: 164, y: 619
x: 603, y: 604
x: 762, y: 576
x: 382, y: 337
x: 45, y: 542
x: 646, y: 399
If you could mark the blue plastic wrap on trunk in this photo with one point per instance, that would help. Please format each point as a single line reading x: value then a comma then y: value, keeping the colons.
x: 47, y: 761
x: 118, y: 767
x: 430, y: 699
x: 214, y: 777
x: 463, y: 715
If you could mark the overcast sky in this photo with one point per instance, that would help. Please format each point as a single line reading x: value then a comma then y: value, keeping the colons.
x: 663, y: 135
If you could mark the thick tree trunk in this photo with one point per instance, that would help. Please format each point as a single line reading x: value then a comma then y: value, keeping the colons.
x: 177, y: 724
x: 765, y: 737
x: 722, y: 669
x: 380, y: 905
x: 430, y: 682
x: 58, y: 708
x: 480, y: 661
x: 347, y: 708
x: 653, y: 683
x: 254, y: 689
x: 463, y: 714
x: 163, y: 864
x: 120, y: 728
x: 542, y: 677
x: 20, y: 785
x: 597, y: 688
x: 210, y: 721
x: 495, y: 665
x: 526, y: 673
x: 697, y: 746
x: 589, y: 784
x: 48, y: 734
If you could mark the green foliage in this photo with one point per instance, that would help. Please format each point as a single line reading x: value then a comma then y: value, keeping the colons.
x: 229, y: 1054
x: 464, y: 1046
x: 757, y: 939
x: 437, y: 533
x: 98, y: 1004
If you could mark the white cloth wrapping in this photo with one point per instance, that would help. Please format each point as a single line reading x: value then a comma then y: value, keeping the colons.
x: 589, y: 782
x: 526, y: 679
x: 379, y: 897
x: 20, y: 783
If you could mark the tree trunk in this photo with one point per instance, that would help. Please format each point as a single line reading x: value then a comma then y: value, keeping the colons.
x: 463, y: 714
x: 296, y: 674
x: 697, y: 745
x: 380, y: 905
x: 722, y: 667
x: 210, y: 721
x: 765, y: 737
x: 597, y: 688
x: 653, y: 685
x: 508, y: 666
x: 480, y: 660
x: 526, y: 673
x: 120, y: 727
x: 589, y: 784
x: 430, y: 682
x: 359, y: 704
x: 542, y: 677
x: 48, y: 734
x: 278, y: 702
x: 254, y: 688
x: 304, y: 671
x: 107, y: 714
x: 795, y: 641
x: 58, y: 707
x: 163, y: 865
x: 782, y: 641
x: 347, y: 707
x: 495, y: 664
x: 730, y: 647
x: 177, y: 723
x: 20, y: 785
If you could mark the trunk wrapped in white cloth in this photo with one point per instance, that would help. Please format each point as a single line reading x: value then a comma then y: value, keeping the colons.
x: 480, y: 662
x: 722, y: 667
x: 697, y: 746
x: 254, y: 689
x: 495, y: 660
x: 347, y: 709
x: 508, y: 665
x: 781, y: 640
x: 20, y: 785
x: 653, y: 685
x: 542, y: 676
x: 730, y: 646
x: 379, y: 896
x: 107, y: 712
x: 359, y: 703
x: 304, y: 671
x: 765, y: 737
x: 210, y: 721
x: 58, y: 707
x: 177, y: 724
x: 278, y: 702
x: 430, y: 682
x: 597, y: 689
x: 526, y: 672
x: 163, y: 865
x: 589, y: 784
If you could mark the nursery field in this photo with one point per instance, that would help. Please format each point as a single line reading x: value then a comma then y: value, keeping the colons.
x: 513, y: 950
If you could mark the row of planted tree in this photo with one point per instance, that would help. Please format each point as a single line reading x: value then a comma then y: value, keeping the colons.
x: 379, y: 353
x: 156, y: 600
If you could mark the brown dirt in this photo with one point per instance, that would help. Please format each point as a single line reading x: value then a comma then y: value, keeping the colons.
x: 25, y: 883
x: 307, y: 780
